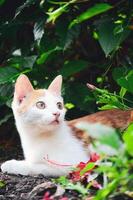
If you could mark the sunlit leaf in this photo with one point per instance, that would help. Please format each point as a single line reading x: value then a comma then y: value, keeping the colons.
x: 91, y: 12
x: 123, y: 92
x: 128, y: 139
x: 108, y: 107
x: 103, y: 193
x: 62, y: 180
x: 88, y: 167
x: 69, y: 105
x: 44, y: 56
x: 2, y: 183
x: 56, y: 13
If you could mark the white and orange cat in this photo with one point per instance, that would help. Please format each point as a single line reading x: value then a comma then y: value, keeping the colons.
x: 39, y: 116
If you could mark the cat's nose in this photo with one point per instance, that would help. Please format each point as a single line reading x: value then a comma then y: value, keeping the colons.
x: 56, y: 114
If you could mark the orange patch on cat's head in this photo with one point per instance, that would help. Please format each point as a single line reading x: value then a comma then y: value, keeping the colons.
x: 30, y: 100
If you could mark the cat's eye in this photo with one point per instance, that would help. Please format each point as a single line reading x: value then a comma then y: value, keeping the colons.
x: 60, y: 105
x: 40, y: 105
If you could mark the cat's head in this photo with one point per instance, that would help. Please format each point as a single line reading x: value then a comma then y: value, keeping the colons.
x: 42, y: 107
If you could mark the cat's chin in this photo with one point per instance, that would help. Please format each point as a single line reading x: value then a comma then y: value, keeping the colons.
x: 50, y: 127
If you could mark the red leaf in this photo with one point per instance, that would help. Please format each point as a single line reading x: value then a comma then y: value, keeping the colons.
x: 94, y: 157
x: 75, y: 175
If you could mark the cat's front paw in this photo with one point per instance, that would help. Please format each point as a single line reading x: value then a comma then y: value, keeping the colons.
x: 9, y: 166
x: 16, y: 167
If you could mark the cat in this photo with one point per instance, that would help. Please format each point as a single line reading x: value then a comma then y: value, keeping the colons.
x: 115, y: 118
x: 47, y: 141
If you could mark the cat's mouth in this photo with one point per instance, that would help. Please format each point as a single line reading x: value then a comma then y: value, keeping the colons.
x: 55, y: 122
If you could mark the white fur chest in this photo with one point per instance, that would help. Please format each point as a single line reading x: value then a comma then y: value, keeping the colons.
x: 60, y: 147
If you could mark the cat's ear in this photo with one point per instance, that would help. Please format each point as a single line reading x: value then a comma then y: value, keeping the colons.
x: 55, y: 86
x: 22, y: 87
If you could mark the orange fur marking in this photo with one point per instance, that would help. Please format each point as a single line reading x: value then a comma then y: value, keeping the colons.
x: 31, y: 100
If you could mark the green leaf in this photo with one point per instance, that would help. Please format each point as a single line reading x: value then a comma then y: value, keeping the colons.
x: 103, y: 193
x: 122, y: 92
x: 71, y: 186
x: 66, y: 36
x: 69, y: 105
x: 91, y: 12
x: 6, y: 90
x: 108, y: 107
x: 128, y: 139
x: 23, y: 6
x: 88, y: 167
x: 124, y: 78
x: 56, y: 13
x: 77, y: 187
x: 2, y: 2
x: 5, y: 119
x: 127, y: 82
x: 73, y: 67
x: 72, y: 34
x: 8, y: 74
x: 62, y: 180
x: 44, y: 56
x: 118, y: 29
x: 23, y: 62
x: 107, y: 39
x: 110, y: 99
x: 2, y: 184
x: 119, y: 72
